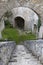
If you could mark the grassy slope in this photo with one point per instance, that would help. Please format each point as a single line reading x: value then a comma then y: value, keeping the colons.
x: 12, y: 34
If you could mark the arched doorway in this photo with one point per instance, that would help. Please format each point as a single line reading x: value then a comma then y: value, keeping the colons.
x: 19, y: 22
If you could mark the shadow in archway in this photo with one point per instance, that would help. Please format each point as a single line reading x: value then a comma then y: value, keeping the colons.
x: 19, y: 22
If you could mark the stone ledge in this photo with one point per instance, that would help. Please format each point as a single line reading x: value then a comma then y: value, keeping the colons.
x: 6, y: 49
x: 36, y: 46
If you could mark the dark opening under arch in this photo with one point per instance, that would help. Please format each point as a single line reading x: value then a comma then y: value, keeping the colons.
x: 19, y: 22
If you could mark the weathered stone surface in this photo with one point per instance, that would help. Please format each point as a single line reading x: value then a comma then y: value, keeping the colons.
x: 41, y: 32
x: 36, y: 46
x: 28, y: 15
x: 23, y: 58
x: 2, y: 26
x: 0, y: 35
x: 35, y: 1
x: 19, y: 55
x: 6, y: 49
x: 36, y: 5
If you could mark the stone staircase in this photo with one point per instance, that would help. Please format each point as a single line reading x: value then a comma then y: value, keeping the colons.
x: 21, y: 56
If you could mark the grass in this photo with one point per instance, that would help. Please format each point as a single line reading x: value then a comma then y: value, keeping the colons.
x: 12, y: 34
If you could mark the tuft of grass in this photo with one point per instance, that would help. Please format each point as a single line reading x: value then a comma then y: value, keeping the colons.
x: 13, y: 34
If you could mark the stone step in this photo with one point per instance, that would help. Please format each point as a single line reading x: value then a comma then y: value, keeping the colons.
x: 21, y: 56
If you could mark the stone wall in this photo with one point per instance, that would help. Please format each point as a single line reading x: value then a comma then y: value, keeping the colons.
x: 28, y: 15
x: 36, y: 47
x: 6, y: 48
x: 2, y: 26
x: 41, y: 32
x: 36, y: 5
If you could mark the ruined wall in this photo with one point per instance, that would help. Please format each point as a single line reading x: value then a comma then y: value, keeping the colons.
x: 36, y: 5
x: 28, y: 15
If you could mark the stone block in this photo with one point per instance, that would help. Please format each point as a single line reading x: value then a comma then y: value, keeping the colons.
x: 36, y: 47
x: 5, y: 51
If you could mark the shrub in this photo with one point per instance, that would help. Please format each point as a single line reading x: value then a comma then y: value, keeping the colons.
x: 8, y: 14
x: 13, y: 34
x: 7, y: 24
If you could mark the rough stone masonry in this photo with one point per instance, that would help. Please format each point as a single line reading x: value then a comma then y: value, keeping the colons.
x: 36, y: 5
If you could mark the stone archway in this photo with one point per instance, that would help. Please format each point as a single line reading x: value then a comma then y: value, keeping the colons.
x: 19, y: 22
x: 26, y: 17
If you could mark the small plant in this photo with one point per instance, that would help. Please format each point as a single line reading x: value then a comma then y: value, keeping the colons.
x: 7, y: 23
x: 8, y: 14
x: 39, y: 24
